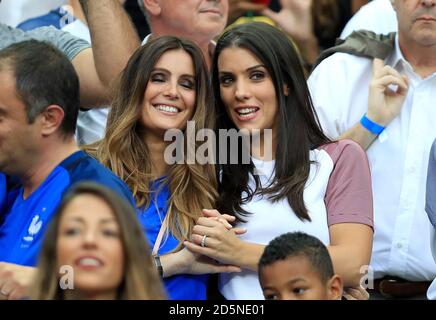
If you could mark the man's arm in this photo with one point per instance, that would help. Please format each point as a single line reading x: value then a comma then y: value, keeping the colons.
x: 93, y: 92
x: 360, y: 135
x: 113, y: 37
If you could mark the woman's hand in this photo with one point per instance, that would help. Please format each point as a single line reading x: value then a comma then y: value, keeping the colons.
x: 211, y: 237
x: 225, y: 219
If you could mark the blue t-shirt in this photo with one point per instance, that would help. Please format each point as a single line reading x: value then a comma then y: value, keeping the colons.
x: 178, y: 287
x: 25, y: 221
x: 57, y: 18
x: 430, y: 205
x: 2, y: 193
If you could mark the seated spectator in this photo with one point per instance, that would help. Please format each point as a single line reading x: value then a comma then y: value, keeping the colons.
x: 104, y: 253
x: 303, y: 182
x: 162, y: 88
x: 377, y: 16
x: 39, y: 103
x: 430, y: 207
x: 296, y: 266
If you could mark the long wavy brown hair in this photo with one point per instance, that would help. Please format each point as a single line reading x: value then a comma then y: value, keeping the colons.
x: 140, y: 280
x: 123, y: 150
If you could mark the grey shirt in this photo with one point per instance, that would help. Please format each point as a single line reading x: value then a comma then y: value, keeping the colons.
x: 430, y: 205
x: 64, y: 41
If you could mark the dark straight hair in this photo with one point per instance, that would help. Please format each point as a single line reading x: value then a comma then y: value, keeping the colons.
x: 298, y: 131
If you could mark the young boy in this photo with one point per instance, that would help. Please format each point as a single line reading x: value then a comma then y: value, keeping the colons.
x: 296, y: 266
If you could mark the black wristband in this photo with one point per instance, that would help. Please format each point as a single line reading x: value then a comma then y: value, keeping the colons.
x: 158, y: 265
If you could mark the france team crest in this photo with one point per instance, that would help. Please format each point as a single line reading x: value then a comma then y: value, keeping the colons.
x: 34, y: 228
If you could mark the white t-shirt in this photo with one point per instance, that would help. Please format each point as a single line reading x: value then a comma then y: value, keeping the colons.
x: 338, y: 190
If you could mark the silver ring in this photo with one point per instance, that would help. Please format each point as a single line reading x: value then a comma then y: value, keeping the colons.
x: 203, y: 241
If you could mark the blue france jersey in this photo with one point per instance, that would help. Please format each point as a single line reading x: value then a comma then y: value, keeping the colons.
x: 2, y: 193
x: 178, y: 287
x: 25, y: 221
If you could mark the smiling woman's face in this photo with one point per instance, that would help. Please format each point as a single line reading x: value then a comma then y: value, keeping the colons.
x: 247, y: 90
x: 169, y: 99
x: 89, y: 241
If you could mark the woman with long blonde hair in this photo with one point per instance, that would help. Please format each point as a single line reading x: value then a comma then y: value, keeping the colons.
x: 164, y: 85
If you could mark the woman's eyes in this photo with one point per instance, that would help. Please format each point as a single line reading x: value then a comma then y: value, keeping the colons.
x: 254, y: 76
x: 188, y: 84
x: 71, y: 231
x: 160, y: 78
x: 111, y: 233
x: 257, y: 75
x: 226, y: 80
x: 105, y: 232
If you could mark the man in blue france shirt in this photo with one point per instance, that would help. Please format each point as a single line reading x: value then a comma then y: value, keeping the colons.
x: 39, y: 104
x: 2, y: 192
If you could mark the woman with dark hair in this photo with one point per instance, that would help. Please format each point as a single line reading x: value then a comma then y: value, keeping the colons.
x: 96, y: 244
x: 306, y: 183
x: 164, y: 85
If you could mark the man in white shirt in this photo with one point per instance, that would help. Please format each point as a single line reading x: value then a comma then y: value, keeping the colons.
x: 397, y: 125
x: 378, y: 16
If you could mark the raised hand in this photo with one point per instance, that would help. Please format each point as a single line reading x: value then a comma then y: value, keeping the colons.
x: 387, y: 92
x: 295, y: 18
x: 225, y: 219
x: 211, y: 238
